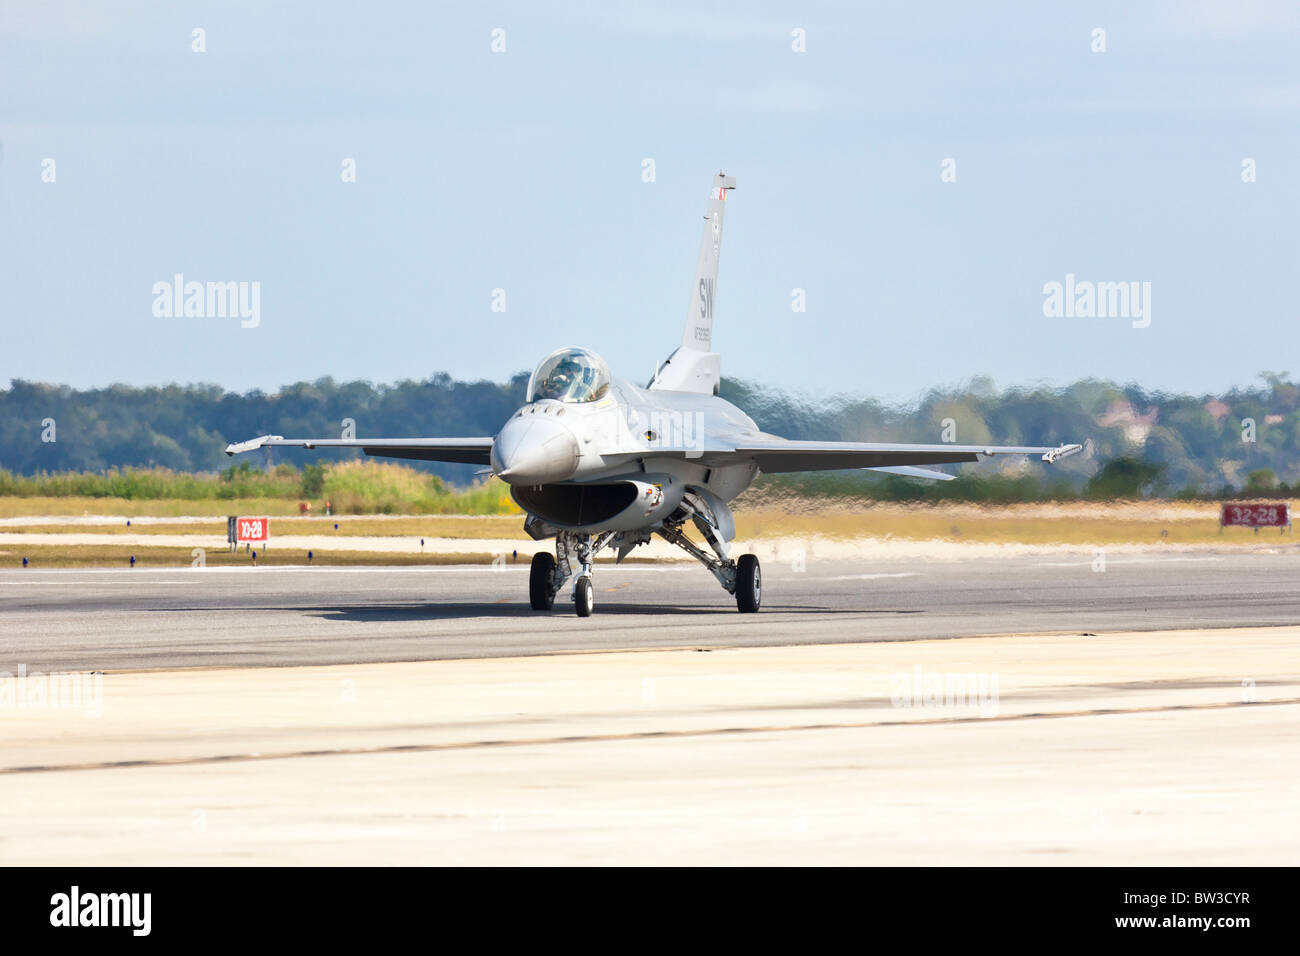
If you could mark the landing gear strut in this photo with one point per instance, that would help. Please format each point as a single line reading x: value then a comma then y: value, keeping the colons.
x: 548, y: 573
x: 741, y: 578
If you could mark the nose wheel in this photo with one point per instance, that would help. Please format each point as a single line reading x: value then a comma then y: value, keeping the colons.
x: 584, y: 597
x: 548, y: 573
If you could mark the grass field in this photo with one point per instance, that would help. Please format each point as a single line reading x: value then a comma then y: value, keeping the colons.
x: 430, y: 526
x: 353, y: 487
x: 12, y: 506
x: 1073, y: 523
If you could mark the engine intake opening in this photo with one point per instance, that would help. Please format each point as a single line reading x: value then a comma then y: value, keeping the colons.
x: 575, y: 505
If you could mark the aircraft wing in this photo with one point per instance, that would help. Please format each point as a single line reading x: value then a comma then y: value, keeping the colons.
x: 777, y: 457
x: 469, y: 451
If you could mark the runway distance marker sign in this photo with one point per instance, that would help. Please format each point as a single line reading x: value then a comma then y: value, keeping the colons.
x: 1269, y: 515
x: 253, y: 530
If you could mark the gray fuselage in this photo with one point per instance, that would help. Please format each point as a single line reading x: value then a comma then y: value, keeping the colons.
x: 622, y: 462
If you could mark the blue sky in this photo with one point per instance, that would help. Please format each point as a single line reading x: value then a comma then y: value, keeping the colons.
x: 522, y: 170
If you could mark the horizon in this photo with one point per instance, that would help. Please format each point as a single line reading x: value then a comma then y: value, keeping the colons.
x: 971, y: 385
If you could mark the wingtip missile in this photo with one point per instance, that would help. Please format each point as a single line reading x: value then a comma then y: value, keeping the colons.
x: 1062, y: 451
x: 239, y: 447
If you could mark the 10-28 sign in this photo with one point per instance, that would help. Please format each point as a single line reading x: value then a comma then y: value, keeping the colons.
x: 253, y: 529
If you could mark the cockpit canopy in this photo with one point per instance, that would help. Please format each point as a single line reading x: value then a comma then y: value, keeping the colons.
x: 570, y: 375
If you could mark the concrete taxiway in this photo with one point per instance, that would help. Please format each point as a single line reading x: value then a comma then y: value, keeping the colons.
x: 1151, y: 747
x: 1023, y: 710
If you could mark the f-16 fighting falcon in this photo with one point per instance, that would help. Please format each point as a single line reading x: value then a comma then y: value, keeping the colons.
x: 597, y: 462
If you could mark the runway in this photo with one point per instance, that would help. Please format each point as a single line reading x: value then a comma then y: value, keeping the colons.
x: 427, y: 715
x: 127, y: 619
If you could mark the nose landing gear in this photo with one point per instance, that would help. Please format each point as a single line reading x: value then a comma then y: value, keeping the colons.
x: 548, y: 574
x: 584, y: 598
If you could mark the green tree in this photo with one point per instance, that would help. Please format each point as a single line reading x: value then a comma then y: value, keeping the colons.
x: 1124, y: 477
x: 313, y: 480
x: 1260, y: 481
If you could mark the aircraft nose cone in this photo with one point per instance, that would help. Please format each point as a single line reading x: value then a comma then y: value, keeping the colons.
x: 534, y: 450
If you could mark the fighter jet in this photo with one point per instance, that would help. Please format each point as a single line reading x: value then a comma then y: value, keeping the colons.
x: 597, y: 462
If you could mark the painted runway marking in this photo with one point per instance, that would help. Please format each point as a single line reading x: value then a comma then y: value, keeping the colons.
x: 873, y: 577
x: 635, y: 735
x: 1112, y: 561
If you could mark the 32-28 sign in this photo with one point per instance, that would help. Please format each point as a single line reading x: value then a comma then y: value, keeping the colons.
x: 1256, y: 516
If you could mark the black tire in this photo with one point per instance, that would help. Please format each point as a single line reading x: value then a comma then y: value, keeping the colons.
x: 584, y: 597
x: 539, y: 581
x: 749, y: 584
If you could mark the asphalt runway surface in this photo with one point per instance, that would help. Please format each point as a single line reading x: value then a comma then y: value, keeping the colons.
x: 147, y: 619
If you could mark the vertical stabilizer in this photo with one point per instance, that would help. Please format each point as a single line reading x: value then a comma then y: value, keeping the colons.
x: 699, y: 318
x: 694, y: 366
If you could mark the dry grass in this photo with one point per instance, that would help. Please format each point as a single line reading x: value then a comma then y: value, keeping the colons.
x: 12, y: 506
x: 362, y: 492
x: 1073, y: 523
x: 430, y: 526
x: 1077, y: 523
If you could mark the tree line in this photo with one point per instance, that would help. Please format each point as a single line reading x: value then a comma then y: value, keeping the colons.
x: 1151, y: 443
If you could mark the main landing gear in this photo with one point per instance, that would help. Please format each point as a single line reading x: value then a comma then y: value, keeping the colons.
x: 742, y: 578
x: 540, y: 591
x: 749, y: 584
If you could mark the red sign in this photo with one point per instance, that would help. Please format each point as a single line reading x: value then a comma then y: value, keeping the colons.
x: 253, y: 529
x: 1257, y: 515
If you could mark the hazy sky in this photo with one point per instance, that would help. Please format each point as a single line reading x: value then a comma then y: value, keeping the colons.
x: 522, y: 170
